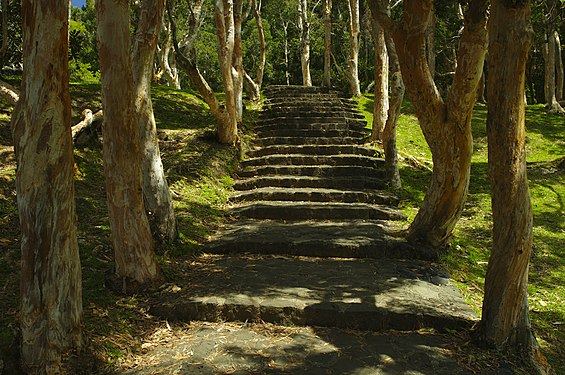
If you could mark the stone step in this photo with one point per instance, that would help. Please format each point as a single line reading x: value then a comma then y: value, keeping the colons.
x: 314, y: 150
x: 344, y: 183
x: 303, y: 112
x: 315, y: 195
x: 332, y: 239
x: 326, y: 126
x: 356, y: 294
x: 282, y: 132
x: 311, y: 170
x: 281, y: 210
x: 270, y: 141
x: 315, y: 160
x: 309, y: 120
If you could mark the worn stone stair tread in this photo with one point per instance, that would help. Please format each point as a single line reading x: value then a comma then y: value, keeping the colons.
x: 262, y: 130
x: 306, y: 120
x: 345, y: 183
x: 351, y: 238
x: 306, y: 149
x: 313, y: 133
x: 315, y: 195
x: 312, y: 170
x: 268, y: 141
x: 347, y: 293
x: 315, y: 160
x: 291, y: 210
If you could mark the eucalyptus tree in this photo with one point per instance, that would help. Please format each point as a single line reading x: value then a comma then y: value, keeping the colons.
x: 50, y: 277
x: 135, y: 260
x: 505, y: 322
x: 446, y: 124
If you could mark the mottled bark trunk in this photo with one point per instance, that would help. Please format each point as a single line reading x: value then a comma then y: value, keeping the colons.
x: 446, y: 126
x: 430, y: 43
x: 237, y: 69
x: 50, y: 277
x: 381, y: 102
x: 225, y: 30
x: 389, y: 133
x: 131, y: 235
x: 558, y: 68
x: 304, y: 31
x: 327, y: 81
x: 156, y: 195
x: 505, y: 320
x: 353, y: 63
x: 166, y: 60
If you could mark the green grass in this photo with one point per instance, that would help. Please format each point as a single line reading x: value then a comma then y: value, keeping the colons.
x: 199, y: 172
x: 470, y: 246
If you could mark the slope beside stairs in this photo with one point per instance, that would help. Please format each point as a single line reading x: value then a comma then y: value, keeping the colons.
x: 312, y: 240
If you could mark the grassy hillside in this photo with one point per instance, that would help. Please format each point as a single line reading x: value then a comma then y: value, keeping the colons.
x: 470, y: 247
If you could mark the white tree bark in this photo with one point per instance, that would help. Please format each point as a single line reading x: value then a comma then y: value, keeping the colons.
x: 304, y: 31
x: 353, y: 63
x: 156, y: 195
x: 237, y: 68
x: 381, y: 102
x: 558, y: 68
x: 166, y: 60
x: 50, y: 278
x: 327, y: 43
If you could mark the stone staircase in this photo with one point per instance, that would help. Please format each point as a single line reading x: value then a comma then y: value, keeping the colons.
x: 312, y: 240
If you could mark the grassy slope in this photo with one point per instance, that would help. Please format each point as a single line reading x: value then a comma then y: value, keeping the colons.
x: 472, y: 238
x: 198, y: 171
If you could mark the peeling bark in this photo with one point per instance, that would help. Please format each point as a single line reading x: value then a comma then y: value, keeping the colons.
x: 237, y: 64
x: 156, y: 195
x: 505, y: 322
x: 89, y: 124
x: 50, y: 278
x: 136, y: 264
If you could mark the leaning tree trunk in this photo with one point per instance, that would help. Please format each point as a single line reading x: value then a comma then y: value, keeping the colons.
x: 389, y: 133
x: 167, y: 67
x: 131, y: 235
x: 304, y: 31
x: 505, y: 320
x: 253, y: 86
x: 225, y: 30
x: 156, y: 195
x: 381, y: 102
x: 50, y: 277
x: 446, y: 126
x: 353, y: 72
x: 327, y: 43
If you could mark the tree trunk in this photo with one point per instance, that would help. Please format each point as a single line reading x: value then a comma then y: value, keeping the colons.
x: 131, y: 235
x: 558, y: 68
x: 430, y: 43
x: 353, y: 72
x: 167, y: 68
x: 225, y: 30
x: 505, y: 320
x: 237, y: 69
x: 389, y: 133
x: 253, y: 87
x: 381, y: 102
x: 552, y: 104
x: 50, y: 277
x: 286, y: 66
x: 156, y: 195
x: 304, y: 31
x: 327, y: 43
x: 446, y: 126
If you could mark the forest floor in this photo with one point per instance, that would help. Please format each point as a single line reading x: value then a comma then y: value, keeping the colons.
x: 120, y: 331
